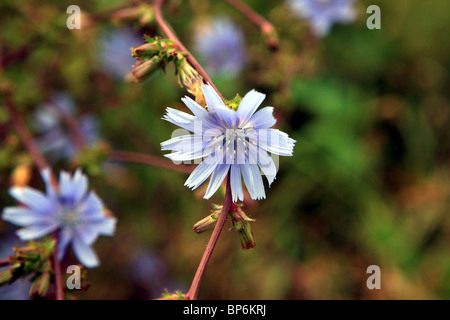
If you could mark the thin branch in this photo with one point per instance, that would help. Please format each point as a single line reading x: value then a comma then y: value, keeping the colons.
x: 267, y: 29
x: 193, y: 291
x: 147, y: 159
x: 72, y: 126
x: 105, y: 15
x: 24, y: 133
x: 172, y: 36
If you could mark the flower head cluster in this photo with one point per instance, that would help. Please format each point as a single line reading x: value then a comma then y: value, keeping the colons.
x: 229, y: 142
x: 221, y: 46
x: 321, y: 14
x: 76, y: 214
x: 54, y: 138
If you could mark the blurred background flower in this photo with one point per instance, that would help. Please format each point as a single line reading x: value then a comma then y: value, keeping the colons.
x: 322, y: 14
x: 114, y: 53
x: 75, y: 212
x: 55, y: 138
x: 220, y: 44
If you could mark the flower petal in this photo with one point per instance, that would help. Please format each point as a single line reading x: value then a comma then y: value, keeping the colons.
x: 65, y: 237
x: 87, y: 233
x: 183, y: 120
x: 106, y: 226
x: 263, y: 119
x: 32, y: 198
x: 200, y: 112
x: 217, y: 108
x: 24, y: 217
x: 35, y: 231
x: 273, y: 140
x: 46, y: 176
x: 212, y: 99
x: 248, y: 106
x: 219, y: 174
x: 79, y: 185
x: 85, y: 253
x: 195, y: 150
x: 184, y: 143
x: 91, y: 209
x: 236, y: 183
x: 66, y: 187
x: 200, y: 174
x: 260, y: 193
x: 248, y: 179
x: 267, y: 165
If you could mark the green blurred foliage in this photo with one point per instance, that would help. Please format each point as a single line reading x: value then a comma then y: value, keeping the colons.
x: 367, y: 185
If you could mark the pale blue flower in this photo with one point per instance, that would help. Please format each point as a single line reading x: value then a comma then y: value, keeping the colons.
x: 115, y: 51
x: 71, y: 210
x: 322, y: 14
x: 53, y: 137
x: 221, y: 46
x: 228, y: 141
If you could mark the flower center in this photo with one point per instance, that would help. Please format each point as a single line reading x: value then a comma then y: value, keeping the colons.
x: 234, y: 140
x: 70, y: 217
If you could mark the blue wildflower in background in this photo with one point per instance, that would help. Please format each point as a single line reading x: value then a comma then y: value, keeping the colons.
x: 71, y: 210
x: 115, y: 51
x: 322, y: 14
x: 229, y: 141
x: 221, y: 46
x: 53, y: 136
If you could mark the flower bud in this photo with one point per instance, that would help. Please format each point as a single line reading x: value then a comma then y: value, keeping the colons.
x: 271, y: 37
x: 241, y: 223
x: 146, y: 49
x: 27, y: 253
x: 143, y: 69
x: 206, y: 223
x: 191, y: 80
x: 40, y: 285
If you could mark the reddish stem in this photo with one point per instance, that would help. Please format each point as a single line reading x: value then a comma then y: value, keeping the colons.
x: 24, y: 133
x: 267, y: 29
x: 71, y: 125
x: 193, y: 291
x: 59, y: 295
x: 147, y: 159
x: 172, y: 36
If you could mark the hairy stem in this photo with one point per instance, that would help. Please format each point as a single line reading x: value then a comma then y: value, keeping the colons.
x: 193, y: 291
x: 172, y: 36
